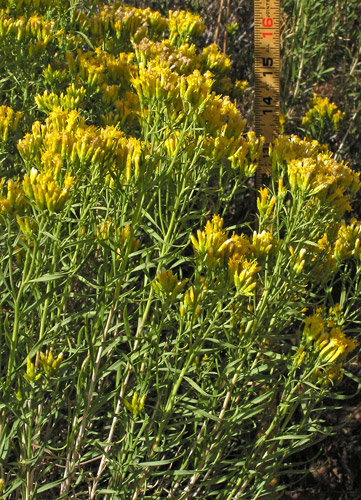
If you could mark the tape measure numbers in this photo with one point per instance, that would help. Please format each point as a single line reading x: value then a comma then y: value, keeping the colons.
x: 267, y: 77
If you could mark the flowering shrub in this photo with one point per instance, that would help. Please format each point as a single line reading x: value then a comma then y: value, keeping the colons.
x: 154, y: 345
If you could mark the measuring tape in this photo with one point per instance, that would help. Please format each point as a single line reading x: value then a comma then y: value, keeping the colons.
x: 267, y: 78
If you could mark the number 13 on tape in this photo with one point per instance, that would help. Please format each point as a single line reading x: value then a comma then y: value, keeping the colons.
x: 267, y: 77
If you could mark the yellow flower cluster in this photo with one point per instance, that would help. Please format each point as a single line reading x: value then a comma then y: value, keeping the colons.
x: 286, y: 148
x: 72, y: 98
x: 168, y: 285
x: 48, y: 147
x: 194, y: 90
x: 30, y: 375
x: 124, y: 23
x: 209, y: 246
x: 183, y: 25
x: 347, y: 244
x: 221, y: 117
x: 264, y: 243
x: 322, y: 109
x: 34, y: 32
x: 156, y: 82
x: 324, y: 177
x: 127, y: 161
x: 329, y: 343
x: 45, y: 190
x: 224, y: 125
x: 27, y: 226
x: 242, y: 271
x: 184, y: 60
x: 9, y: 120
x: 99, y: 67
x: 265, y: 203
x: 49, y: 364
x: 213, y: 60
x: 298, y: 260
x: 193, y: 298
x: 214, y: 249
x: 136, y: 405
x: 320, y: 257
x: 65, y: 137
x: 34, y: 5
x: 245, y: 157
x: 54, y: 77
x: 313, y: 170
x: 14, y: 202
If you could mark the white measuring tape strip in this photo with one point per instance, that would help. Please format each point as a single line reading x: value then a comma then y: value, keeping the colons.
x: 267, y: 78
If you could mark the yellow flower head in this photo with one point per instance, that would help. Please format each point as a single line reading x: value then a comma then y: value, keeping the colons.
x: 337, y: 347
x: 70, y: 100
x: 265, y: 203
x: 45, y: 191
x: 54, y: 76
x: 241, y: 272
x: 287, y: 148
x: 49, y: 364
x: 329, y: 344
x: 14, y: 202
x: 155, y: 82
x: 183, y: 25
x: 207, y: 245
x: 314, y: 327
x: 213, y: 60
x: 195, y: 89
x: 136, y: 405
x: 245, y: 158
x: 263, y: 243
x: 193, y: 298
x: 167, y: 284
x: 27, y: 226
x: 107, y: 231
x: 347, y: 244
x: 324, y: 177
x: 236, y: 246
x: 30, y: 375
x: 8, y: 122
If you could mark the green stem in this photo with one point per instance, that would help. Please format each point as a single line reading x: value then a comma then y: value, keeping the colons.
x: 75, y: 454
x: 18, y: 295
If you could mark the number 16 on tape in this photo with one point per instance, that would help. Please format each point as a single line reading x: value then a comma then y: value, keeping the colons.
x: 267, y: 77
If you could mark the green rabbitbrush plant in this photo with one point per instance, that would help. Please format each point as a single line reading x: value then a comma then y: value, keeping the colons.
x: 154, y: 345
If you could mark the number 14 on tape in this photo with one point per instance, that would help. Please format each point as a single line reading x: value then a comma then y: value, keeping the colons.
x: 267, y: 77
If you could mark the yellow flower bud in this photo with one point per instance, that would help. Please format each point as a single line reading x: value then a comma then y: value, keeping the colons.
x: 49, y: 364
x: 137, y: 404
x: 30, y: 374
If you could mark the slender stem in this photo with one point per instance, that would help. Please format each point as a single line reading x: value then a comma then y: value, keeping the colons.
x: 216, y: 31
x: 70, y: 465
